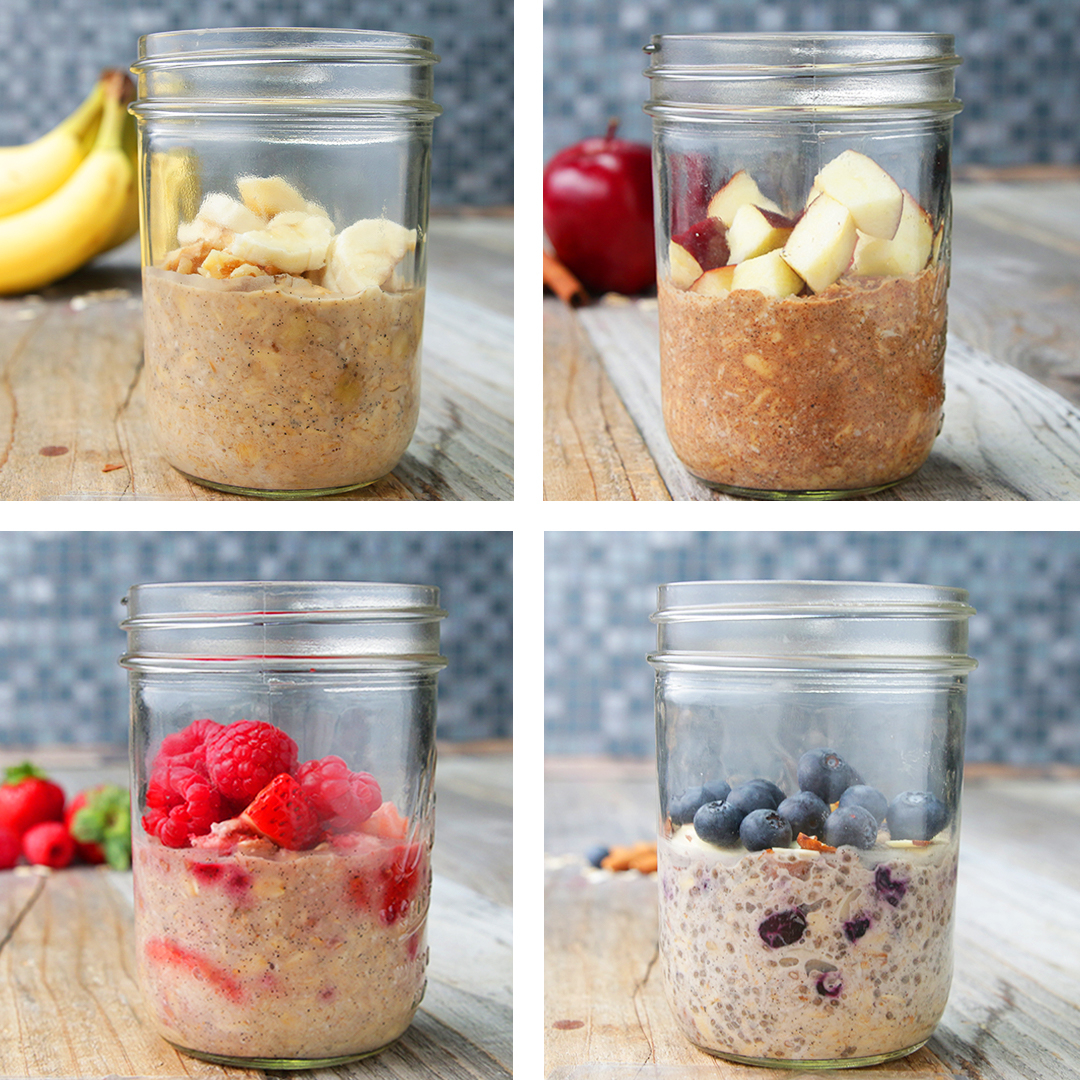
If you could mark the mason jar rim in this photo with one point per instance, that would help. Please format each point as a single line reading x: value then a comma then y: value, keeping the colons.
x: 161, y: 604
x: 845, y: 75
x: 807, y: 598
x: 226, y: 45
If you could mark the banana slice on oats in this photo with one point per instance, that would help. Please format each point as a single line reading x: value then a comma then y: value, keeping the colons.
x: 293, y: 240
x: 363, y: 256
x: 269, y: 196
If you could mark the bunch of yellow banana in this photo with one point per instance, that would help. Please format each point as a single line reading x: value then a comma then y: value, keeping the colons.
x: 72, y: 194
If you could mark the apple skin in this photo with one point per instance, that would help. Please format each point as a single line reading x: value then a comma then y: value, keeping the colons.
x: 707, y: 241
x: 598, y: 213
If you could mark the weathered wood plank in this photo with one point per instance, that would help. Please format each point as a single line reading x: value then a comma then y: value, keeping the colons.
x: 592, y: 449
x: 70, y: 367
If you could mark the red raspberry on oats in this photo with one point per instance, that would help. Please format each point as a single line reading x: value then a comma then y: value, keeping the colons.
x: 343, y: 799
x: 188, y: 747
x: 242, y: 758
x: 181, y: 803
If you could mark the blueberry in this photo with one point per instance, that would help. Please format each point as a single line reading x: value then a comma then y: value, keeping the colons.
x: 718, y: 823
x: 755, y: 795
x: 806, y: 813
x: 855, y: 928
x: 826, y: 774
x: 683, y: 807
x: 597, y: 854
x: 783, y: 928
x: 762, y: 829
x: 829, y: 984
x: 864, y: 795
x: 916, y: 815
x: 853, y: 825
x: 890, y: 889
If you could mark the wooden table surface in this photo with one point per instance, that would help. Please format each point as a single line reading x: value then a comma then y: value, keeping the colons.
x: 1012, y: 369
x: 70, y: 1005
x: 73, y: 417
x: 1014, y: 1010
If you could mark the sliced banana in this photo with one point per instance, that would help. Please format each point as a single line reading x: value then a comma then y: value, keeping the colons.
x: 268, y: 196
x: 294, y: 241
x: 229, y: 213
x: 364, y: 255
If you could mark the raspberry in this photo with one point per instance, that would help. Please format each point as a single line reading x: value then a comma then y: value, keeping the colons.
x: 49, y: 844
x: 242, y: 758
x: 188, y: 747
x: 181, y: 804
x: 343, y: 799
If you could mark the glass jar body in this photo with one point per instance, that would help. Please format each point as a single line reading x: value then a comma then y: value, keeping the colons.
x: 802, y: 351
x: 285, y: 192
x: 259, y: 942
x: 827, y: 929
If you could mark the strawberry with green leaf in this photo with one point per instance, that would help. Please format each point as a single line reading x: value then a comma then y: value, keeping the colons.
x: 100, y: 821
x: 27, y: 798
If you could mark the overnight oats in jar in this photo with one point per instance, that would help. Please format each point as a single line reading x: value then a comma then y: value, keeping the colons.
x: 810, y: 758
x: 283, y: 761
x: 285, y: 179
x: 802, y: 221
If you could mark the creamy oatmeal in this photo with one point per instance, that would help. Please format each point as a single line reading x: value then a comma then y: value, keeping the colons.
x: 842, y: 390
x: 248, y: 950
x: 803, y: 955
x: 282, y: 355
x: 261, y: 383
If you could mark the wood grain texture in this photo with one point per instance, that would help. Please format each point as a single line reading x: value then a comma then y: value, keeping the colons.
x: 70, y: 1005
x: 73, y: 420
x: 1014, y: 1010
x: 592, y: 449
x: 1012, y: 370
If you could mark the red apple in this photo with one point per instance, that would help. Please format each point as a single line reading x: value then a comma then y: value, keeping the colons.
x: 598, y: 213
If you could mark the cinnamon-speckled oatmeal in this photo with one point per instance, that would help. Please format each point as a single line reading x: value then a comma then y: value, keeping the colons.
x: 248, y: 950
x: 271, y: 383
x: 836, y: 392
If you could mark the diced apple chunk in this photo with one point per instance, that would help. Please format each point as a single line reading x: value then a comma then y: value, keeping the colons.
x: 685, y: 269
x: 768, y: 274
x: 821, y: 245
x: 755, y: 231
x: 716, y: 282
x: 706, y: 240
x: 740, y: 190
x: 906, y: 253
x: 873, y: 197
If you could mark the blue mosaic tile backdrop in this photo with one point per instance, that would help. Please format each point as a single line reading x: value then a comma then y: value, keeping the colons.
x: 50, y: 54
x: 600, y: 589
x: 1020, y: 80
x: 60, y: 605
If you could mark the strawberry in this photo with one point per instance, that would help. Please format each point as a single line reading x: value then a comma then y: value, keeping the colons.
x: 282, y: 813
x: 48, y: 843
x: 28, y: 797
x: 392, y: 884
x: 100, y: 820
x: 10, y: 849
x: 387, y: 822
x: 165, y: 952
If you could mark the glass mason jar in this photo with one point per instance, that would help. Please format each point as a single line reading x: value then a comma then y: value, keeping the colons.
x: 810, y: 755
x: 802, y: 224
x: 282, y: 758
x: 284, y: 186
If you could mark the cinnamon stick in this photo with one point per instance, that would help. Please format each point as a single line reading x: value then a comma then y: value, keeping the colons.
x: 563, y: 283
